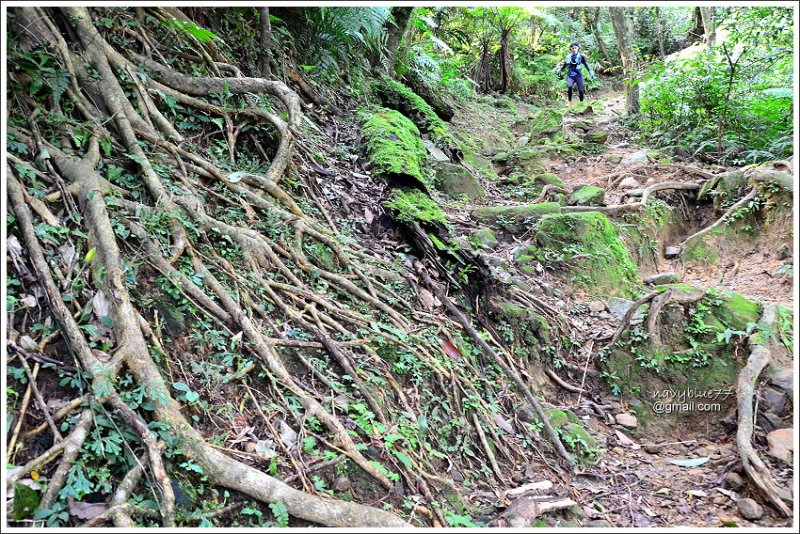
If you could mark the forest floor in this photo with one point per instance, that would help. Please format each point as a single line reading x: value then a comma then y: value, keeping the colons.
x: 639, y: 480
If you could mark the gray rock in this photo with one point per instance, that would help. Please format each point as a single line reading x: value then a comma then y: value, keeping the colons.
x: 782, y: 378
x: 733, y: 481
x: 662, y: 278
x: 784, y: 252
x: 436, y: 152
x: 672, y: 252
x: 598, y: 137
x: 627, y: 420
x: 598, y: 523
x: 341, y: 484
x: 750, y: 509
x: 769, y: 422
x: 774, y: 400
x: 637, y: 158
x: 629, y: 183
x: 522, y: 141
x: 619, y: 307
x: 597, y: 306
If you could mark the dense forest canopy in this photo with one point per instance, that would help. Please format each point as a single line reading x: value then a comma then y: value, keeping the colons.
x: 398, y: 266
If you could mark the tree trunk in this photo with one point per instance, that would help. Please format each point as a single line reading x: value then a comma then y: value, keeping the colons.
x: 660, y: 33
x: 709, y: 30
x: 628, y: 58
x: 505, y: 62
x: 697, y: 31
x: 402, y: 15
x: 266, y: 43
x: 594, y: 27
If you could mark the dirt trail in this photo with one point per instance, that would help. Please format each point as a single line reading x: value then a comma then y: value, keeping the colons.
x: 635, y: 483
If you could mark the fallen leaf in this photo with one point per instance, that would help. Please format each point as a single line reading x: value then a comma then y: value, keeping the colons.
x: 503, y: 424
x: 86, y: 510
x: 67, y: 251
x: 624, y: 440
x: 13, y: 246
x: 427, y: 298
x: 27, y: 344
x: 100, y: 305
x: 266, y: 448
x: 288, y: 436
x: 691, y: 462
x: 368, y: 215
x: 451, y: 350
x: 29, y: 301
x: 663, y: 491
x: 696, y: 493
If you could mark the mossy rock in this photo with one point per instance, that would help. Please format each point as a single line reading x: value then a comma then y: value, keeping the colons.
x: 598, y: 137
x: 457, y: 182
x: 605, y: 267
x: 526, y: 255
x: 685, y: 355
x: 700, y: 251
x: 589, y: 195
x: 505, y: 102
x: 582, y: 124
x: 415, y: 206
x: 548, y: 178
x: 561, y: 418
x: 514, y: 218
x: 480, y: 163
x: 484, y: 238
x: 501, y: 157
x: 399, y: 97
x: 546, y: 123
x: 582, y: 108
x: 394, y: 147
x: 529, y: 327
x: 658, y: 156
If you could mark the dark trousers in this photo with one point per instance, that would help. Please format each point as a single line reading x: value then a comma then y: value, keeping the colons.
x: 575, y: 80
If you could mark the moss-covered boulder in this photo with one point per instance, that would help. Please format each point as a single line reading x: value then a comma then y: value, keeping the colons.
x: 399, y: 97
x: 394, y: 147
x: 514, y: 218
x: 548, y: 178
x: 588, y: 195
x: 598, y: 137
x: 457, y: 182
x: 414, y: 205
x: 484, y: 238
x: 526, y: 256
x: 582, y: 108
x: 572, y: 433
x: 604, y: 267
x: 695, y: 350
x: 546, y: 123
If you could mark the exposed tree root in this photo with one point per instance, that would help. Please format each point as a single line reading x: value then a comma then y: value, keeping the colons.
x: 753, y: 465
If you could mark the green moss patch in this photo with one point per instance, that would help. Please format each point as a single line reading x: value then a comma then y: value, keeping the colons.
x: 397, y: 96
x: 514, y: 218
x: 588, y: 195
x: 415, y: 206
x: 605, y: 267
x: 548, y: 178
x: 546, y: 123
x: 528, y: 326
x: 394, y: 146
x: 484, y: 238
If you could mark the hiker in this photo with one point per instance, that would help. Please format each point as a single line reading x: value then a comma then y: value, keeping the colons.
x: 574, y: 76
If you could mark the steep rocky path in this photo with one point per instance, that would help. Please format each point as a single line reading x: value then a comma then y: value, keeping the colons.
x: 681, y: 468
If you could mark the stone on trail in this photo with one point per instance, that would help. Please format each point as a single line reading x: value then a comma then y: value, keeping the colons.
x: 598, y: 137
x: 619, y: 307
x: 781, y: 444
x: 597, y: 306
x: 436, y: 152
x: 629, y: 183
x: 750, y: 509
x: 627, y: 420
x: 587, y: 195
x: 672, y: 252
x: 637, y: 158
x: 733, y: 481
x: 456, y: 181
x: 662, y: 278
x: 548, y: 178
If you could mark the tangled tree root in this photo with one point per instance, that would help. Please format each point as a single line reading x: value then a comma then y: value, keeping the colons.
x: 258, y: 296
x: 753, y: 465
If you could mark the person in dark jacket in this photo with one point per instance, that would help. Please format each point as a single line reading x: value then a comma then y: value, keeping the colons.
x: 574, y: 76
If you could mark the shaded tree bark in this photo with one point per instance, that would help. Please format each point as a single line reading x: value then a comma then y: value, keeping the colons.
x: 628, y: 58
x: 595, y: 29
x: 660, y: 33
x: 505, y: 61
x: 266, y: 43
x: 402, y: 15
x: 697, y: 31
x: 709, y: 30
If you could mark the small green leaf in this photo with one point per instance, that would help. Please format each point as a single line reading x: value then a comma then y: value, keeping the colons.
x: 236, y: 176
x: 26, y: 500
x: 90, y: 255
x: 192, y: 396
x: 180, y: 386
